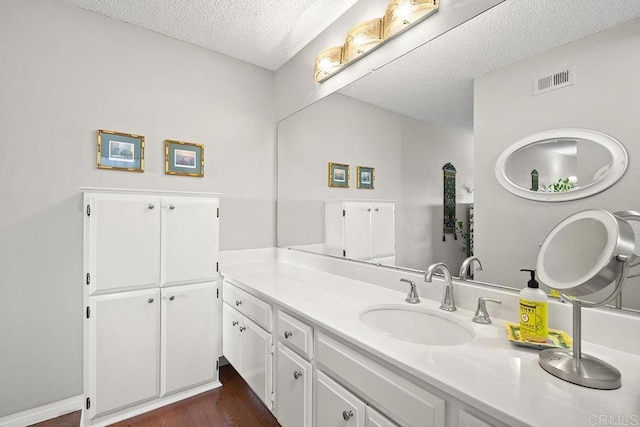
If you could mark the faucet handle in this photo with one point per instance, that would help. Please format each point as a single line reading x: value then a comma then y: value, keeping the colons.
x: 412, y: 296
x: 482, y: 315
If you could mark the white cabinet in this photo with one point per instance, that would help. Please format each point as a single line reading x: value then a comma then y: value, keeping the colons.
x: 189, y: 336
x: 124, y: 342
x: 189, y: 240
x: 360, y: 229
x: 375, y: 419
x: 294, y: 372
x: 245, y: 344
x: 152, y: 330
x: 336, y: 406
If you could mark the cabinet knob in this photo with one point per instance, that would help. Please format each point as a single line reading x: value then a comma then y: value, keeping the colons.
x: 150, y: 300
x: 369, y: 210
x: 297, y: 374
x: 238, y: 303
x: 151, y: 206
x: 288, y: 334
x: 242, y: 328
x: 234, y: 323
x: 377, y: 209
x: 172, y: 207
x: 172, y: 297
x: 346, y: 415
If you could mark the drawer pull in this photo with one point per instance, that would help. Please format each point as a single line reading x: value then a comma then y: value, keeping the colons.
x: 151, y: 206
x: 150, y: 300
x: 238, y: 303
x: 346, y: 415
x: 242, y: 328
x: 172, y: 207
x: 172, y: 297
x: 234, y: 323
x: 297, y: 374
x: 288, y: 334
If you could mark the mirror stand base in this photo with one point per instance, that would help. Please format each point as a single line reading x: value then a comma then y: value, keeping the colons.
x: 586, y: 371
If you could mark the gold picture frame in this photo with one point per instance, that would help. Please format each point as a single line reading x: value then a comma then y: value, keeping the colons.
x: 338, y: 175
x: 120, y: 151
x: 183, y: 158
x: 366, y: 177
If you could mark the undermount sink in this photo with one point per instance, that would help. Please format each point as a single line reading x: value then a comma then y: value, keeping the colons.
x: 417, y: 325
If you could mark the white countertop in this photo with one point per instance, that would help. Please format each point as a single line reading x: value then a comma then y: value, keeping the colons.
x: 489, y: 373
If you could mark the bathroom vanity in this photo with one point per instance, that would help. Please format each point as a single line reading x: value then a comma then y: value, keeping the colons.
x: 328, y: 368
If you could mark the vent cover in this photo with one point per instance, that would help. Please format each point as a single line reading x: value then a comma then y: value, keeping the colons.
x: 549, y: 82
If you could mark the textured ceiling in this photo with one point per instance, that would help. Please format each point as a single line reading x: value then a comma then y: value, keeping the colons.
x: 434, y: 83
x: 266, y: 33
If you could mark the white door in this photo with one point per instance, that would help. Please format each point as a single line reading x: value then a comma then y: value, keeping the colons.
x: 335, y: 406
x: 231, y: 335
x: 124, y: 348
x: 189, y: 336
x: 383, y: 229
x: 189, y: 240
x: 357, y: 230
x: 256, y: 359
x: 293, y: 389
x: 123, y: 241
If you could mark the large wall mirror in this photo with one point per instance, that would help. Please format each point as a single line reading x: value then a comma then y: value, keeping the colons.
x: 407, y: 120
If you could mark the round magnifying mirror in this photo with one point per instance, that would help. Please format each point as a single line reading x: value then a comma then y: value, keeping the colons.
x: 580, y: 255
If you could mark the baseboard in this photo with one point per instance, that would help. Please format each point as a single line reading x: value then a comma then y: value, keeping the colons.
x: 43, y: 413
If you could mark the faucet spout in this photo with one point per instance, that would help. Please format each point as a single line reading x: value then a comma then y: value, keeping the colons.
x: 448, y: 302
x: 464, y: 268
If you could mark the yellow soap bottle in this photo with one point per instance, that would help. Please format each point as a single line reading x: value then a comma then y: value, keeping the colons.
x: 534, y: 320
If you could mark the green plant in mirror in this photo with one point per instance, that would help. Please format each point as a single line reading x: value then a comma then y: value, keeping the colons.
x: 562, y: 184
x: 466, y: 232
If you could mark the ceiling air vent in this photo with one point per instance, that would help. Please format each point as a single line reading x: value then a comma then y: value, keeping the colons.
x: 554, y: 81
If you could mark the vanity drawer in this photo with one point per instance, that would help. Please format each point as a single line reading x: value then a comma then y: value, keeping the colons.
x: 296, y: 334
x: 395, y: 396
x: 252, y: 307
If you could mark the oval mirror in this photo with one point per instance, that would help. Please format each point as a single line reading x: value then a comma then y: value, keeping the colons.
x: 561, y: 164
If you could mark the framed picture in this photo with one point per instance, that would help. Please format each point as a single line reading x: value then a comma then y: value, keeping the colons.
x: 120, y: 151
x: 338, y: 175
x: 366, y: 176
x: 183, y: 158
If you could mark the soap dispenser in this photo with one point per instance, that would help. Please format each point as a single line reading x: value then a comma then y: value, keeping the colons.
x: 533, y: 311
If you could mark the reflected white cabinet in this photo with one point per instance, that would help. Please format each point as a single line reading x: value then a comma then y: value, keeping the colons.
x: 336, y: 406
x: 360, y: 229
x: 248, y: 347
x: 152, y: 330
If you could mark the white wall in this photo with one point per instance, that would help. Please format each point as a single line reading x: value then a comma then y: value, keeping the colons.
x: 606, y: 98
x: 407, y: 155
x: 65, y: 74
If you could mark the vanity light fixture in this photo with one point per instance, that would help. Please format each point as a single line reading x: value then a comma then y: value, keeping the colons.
x: 401, y: 14
x: 328, y: 62
x: 362, y: 38
x: 368, y: 35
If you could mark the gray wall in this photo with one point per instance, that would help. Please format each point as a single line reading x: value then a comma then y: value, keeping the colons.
x: 65, y: 74
x: 407, y: 155
x: 606, y: 98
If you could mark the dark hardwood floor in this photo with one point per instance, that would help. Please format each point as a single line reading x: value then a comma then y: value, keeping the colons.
x: 233, y: 404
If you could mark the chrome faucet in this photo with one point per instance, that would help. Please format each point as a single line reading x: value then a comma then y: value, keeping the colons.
x: 412, y: 296
x: 448, y: 302
x: 464, y: 268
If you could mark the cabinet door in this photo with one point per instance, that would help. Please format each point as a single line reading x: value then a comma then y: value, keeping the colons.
x: 357, y: 230
x: 231, y: 335
x: 383, y: 229
x: 122, y: 242
x: 189, y: 240
x: 189, y: 336
x: 124, y: 348
x: 256, y: 359
x: 335, y: 406
x: 293, y: 389
x: 375, y: 419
